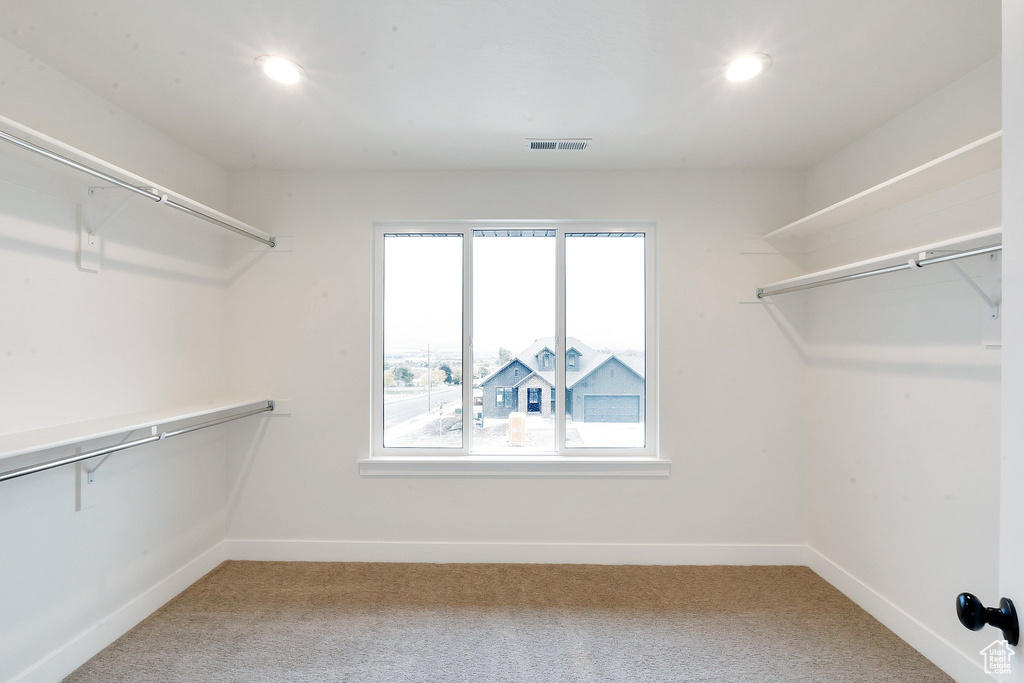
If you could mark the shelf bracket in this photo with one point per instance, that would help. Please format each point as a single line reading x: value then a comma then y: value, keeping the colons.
x: 95, y: 230
x: 90, y: 472
x: 993, y: 306
x: 89, y: 245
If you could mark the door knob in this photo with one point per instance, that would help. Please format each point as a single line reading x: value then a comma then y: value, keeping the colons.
x: 975, y: 616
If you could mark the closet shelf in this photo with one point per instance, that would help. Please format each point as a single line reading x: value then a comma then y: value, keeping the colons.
x: 77, y: 166
x: 970, y: 242
x: 969, y: 161
x: 23, y: 443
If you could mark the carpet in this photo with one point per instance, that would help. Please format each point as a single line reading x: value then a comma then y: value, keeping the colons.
x: 313, y: 621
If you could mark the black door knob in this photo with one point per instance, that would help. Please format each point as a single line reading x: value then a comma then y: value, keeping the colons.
x: 975, y: 616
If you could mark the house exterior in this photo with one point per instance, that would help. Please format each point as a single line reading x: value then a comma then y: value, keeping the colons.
x: 600, y: 386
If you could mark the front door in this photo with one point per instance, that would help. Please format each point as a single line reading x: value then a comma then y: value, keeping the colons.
x: 533, y: 400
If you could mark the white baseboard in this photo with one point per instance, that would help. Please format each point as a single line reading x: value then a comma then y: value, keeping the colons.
x: 532, y: 553
x: 87, y: 644
x: 933, y: 646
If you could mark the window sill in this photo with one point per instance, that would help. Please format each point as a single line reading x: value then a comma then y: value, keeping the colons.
x: 515, y: 466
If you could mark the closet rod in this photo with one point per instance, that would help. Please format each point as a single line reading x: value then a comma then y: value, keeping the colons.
x: 144, y: 191
x: 32, y: 469
x: 912, y: 263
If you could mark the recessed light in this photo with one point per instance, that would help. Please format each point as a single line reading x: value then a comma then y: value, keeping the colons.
x: 746, y: 67
x: 280, y: 69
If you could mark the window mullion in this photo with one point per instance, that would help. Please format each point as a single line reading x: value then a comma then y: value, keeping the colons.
x: 468, y: 409
x: 560, y: 341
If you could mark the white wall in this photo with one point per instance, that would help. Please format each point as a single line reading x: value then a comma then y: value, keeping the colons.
x: 904, y: 397
x: 1011, y: 575
x: 904, y: 454
x: 730, y: 384
x: 960, y: 113
x: 146, y: 332
x: 34, y: 94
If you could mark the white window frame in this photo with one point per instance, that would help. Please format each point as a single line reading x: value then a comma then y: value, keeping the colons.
x: 564, y: 461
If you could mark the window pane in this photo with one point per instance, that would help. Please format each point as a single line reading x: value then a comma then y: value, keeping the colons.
x: 513, y: 340
x: 605, y: 318
x: 423, y: 341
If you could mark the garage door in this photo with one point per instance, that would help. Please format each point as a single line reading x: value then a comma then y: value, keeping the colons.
x: 611, y: 408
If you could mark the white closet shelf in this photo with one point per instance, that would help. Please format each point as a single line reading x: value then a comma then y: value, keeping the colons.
x: 969, y: 161
x: 964, y: 243
x: 83, y: 180
x: 23, y: 443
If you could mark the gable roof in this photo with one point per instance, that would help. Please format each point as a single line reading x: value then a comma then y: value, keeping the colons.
x: 589, y: 360
x: 513, y: 360
x: 605, y: 358
x: 548, y: 376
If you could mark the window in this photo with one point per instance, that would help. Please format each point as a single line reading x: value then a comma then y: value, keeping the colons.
x: 606, y: 319
x: 504, y: 397
x: 502, y: 317
x: 422, y: 341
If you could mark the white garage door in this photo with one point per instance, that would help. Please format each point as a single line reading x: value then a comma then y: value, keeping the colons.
x: 619, y: 408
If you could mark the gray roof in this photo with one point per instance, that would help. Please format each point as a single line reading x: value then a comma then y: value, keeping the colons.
x: 589, y: 360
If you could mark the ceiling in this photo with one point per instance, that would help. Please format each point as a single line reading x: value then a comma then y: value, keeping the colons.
x: 461, y: 83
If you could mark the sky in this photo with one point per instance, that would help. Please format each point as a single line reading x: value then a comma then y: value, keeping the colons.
x: 514, y: 292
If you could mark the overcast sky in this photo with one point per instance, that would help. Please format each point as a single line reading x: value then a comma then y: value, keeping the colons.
x: 514, y: 292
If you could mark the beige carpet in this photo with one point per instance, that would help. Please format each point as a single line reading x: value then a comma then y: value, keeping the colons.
x: 273, y: 621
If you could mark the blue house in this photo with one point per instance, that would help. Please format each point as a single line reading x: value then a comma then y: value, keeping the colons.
x: 600, y: 386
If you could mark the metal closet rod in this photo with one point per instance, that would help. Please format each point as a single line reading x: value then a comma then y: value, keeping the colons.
x: 909, y: 265
x: 150, y: 193
x: 32, y: 469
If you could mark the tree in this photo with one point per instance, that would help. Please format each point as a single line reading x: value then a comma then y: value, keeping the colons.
x: 403, y: 375
x: 447, y: 373
x: 389, y: 379
x: 451, y: 376
x: 483, y: 370
x: 504, y: 355
x: 436, y: 377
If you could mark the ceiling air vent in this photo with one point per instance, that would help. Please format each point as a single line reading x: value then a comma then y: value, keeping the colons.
x: 564, y: 144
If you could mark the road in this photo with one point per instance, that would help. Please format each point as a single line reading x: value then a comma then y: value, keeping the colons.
x: 408, y: 408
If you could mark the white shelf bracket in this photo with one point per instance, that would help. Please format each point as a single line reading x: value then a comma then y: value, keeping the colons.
x: 89, y: 245
x: 95, y: 230
x: 91, y: 471
x: 993, y: 306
